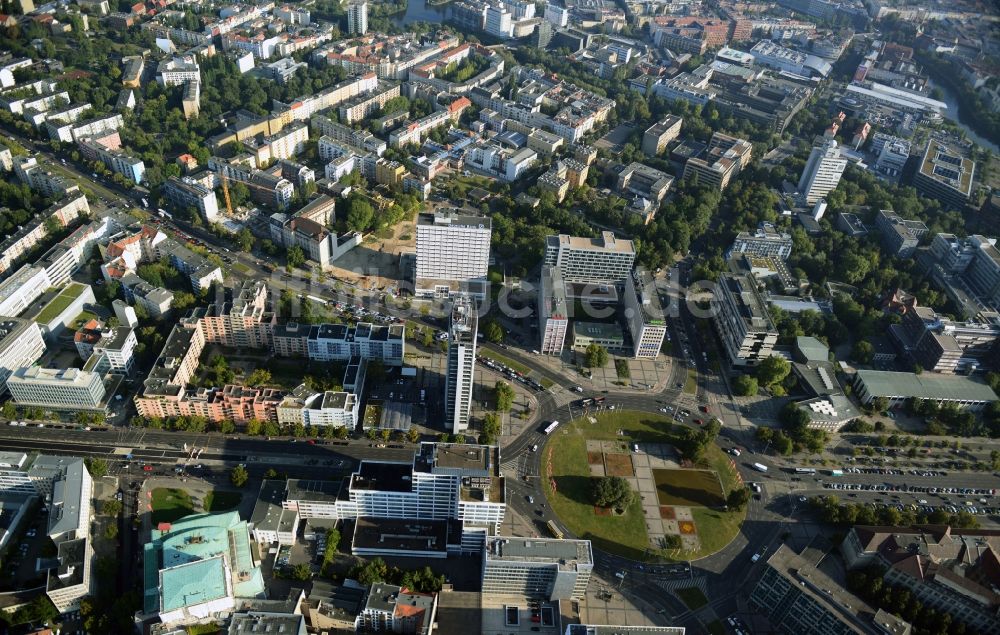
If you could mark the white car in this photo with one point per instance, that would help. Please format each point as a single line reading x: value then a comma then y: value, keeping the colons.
x: 534, y: 448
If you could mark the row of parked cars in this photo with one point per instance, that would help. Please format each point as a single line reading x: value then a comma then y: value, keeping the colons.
x: 510, y: 372
x: 885, y: 470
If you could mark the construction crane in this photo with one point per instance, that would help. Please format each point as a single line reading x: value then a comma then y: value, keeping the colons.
x: 248, y: 184
x: 225, y: 193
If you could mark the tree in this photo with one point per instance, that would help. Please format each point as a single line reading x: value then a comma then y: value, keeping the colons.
x: 773, y: 370
x: 385, y: 434
x: 258, y: 377
x: 239, y: 476
x: 862, y: 352
x: 596, y: 356
x: 111, y: 507
x: 96, y: 466
x: 370, y: 572
x: 745, y: 386
x: 300, y: 572
x: 360, y: 214
x: 245, y: 240
x: 504, y: 396
x: 8, y: 411
x: 254, y: 427
x: 612, y: 491
x: 412, y: 435
x: 444, y: 437
x: 111, y: 531
x: 295, y: 257
x: 493, y: 331
x: 738, y: 498
x: 491, y: 429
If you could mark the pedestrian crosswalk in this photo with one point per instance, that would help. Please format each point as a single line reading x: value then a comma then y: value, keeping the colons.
x: 682, y: 583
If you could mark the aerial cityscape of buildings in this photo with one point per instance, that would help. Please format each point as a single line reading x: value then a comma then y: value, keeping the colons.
x: 577, y: 317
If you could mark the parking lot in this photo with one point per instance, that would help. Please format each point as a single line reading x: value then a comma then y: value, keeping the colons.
x: 981, y: 501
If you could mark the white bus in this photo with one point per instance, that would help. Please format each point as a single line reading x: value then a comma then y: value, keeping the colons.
x: 760, y: 467
x: 805, y: 470
x: 552, y: 426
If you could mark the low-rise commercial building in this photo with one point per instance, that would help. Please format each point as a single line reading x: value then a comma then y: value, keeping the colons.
x: 725, y: 158
x: 900, y: 237
x: 765, y: 242
x: 57, y: 389
x: 21, y: 345
x: 966, y: 393
x: 656, y: 138
x: 945, y: 175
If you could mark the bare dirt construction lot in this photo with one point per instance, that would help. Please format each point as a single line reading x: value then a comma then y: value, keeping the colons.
x: 692, y: 488
x: 376, y: 262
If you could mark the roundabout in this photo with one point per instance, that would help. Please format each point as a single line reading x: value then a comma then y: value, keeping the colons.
x: 678, y: 476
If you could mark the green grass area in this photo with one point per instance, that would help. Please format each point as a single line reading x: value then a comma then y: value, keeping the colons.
x: 242, y: 268
x: 546, y: 382
x: 59, y: 303
x: 693, y: 488
x: 202, y: 629
x: 622, y: 534
x: 621, y: 367
x: 692, y: 597
x: 170, y: 504
x: 82, y: 319
x: 222, y: 501
x: 626, y: 535
x: 497, y: 357
x: 691, y: 383
x: 715, y: 627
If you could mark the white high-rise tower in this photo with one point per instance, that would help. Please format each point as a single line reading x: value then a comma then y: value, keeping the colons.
x: 357, y: 18
x: 823, y: 171
x: 461, y: 363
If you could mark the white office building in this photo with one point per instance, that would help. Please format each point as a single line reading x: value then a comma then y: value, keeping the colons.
x: 538, y: 568
x: 595, y: 260
x: 56, y: 389
x: 21, y: 289
x: 646, y: 321
x: 461, y: 363
x: 21, y: 345
x: 443, y: 482
x: 558, y: 16
x: 357, y: 18
x: 453, y: 253
x: 822, y: 172
x: 553, y: 312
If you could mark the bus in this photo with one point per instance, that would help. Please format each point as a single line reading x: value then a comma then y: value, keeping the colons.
x: 760, y: 467
x: 836, y: 472
x: 585, y: 403
x: 554, y: 530
x: 599, y: 400
x: 320, y: 301
x: 805, y: 470
x: 552, y: 426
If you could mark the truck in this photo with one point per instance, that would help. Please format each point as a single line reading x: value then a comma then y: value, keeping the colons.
x: 760, y: 467
x: 145, y: 203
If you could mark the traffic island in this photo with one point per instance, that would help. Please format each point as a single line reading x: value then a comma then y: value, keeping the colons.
x: 678, y: 513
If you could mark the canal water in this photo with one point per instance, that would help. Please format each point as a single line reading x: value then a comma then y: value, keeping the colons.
x: 421, y: 11
x: 952, y: 114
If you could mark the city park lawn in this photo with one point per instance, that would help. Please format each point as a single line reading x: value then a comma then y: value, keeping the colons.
x: 565, y: 459
x: 170, y: 504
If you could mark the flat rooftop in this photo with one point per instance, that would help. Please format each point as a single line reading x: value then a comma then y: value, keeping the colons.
x: 380, y: 476
x: 312, y: 490
x: 925, y: 386
x: 539, y: 550
x: 607, y: 242
x: 454, y: 219
x: 403, y: 535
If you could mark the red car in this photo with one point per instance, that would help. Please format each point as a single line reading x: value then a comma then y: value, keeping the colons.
x: 147, y: 468
x: 703, y: 408
x: 311, y: 442
x: 699, y: 422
